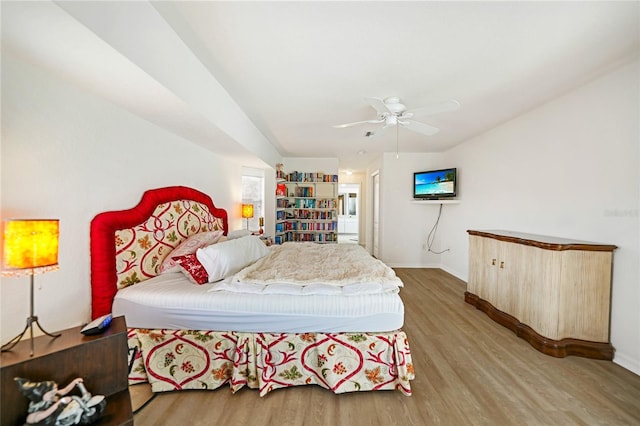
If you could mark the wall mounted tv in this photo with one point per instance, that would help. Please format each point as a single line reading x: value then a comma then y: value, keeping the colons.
x: 435, y: 184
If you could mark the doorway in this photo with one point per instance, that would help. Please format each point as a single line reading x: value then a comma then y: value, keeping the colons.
x: 375, y: 214
x: 348, y: 213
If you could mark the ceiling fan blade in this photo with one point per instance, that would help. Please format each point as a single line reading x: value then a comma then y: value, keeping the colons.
x: 416, y: 126
x: 436, y: 108
x: 342, y: 126
x: 378, y: 104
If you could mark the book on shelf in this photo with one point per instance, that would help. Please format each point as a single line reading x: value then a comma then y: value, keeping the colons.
x: 304, y: 191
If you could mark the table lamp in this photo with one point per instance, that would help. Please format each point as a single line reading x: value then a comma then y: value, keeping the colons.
x: 247, y: 212
x: 30, y: 247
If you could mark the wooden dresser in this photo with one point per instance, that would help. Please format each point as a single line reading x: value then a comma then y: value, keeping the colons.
x: 555, y: 293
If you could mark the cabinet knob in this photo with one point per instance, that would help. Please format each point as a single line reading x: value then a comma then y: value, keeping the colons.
x: 501, y: 265
x: 493, y: 262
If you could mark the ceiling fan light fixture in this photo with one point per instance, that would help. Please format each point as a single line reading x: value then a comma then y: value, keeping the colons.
x: 391, y: 112
x: 393, y: 105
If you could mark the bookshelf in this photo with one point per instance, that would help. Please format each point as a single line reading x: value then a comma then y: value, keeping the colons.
x: 306, y: 207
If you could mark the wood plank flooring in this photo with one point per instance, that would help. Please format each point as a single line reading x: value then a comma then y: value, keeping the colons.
x: 469, y: 371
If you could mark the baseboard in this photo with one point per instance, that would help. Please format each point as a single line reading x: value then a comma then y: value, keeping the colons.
x: 627, y: 363
x: 413, y: 265
x: 456, y: 274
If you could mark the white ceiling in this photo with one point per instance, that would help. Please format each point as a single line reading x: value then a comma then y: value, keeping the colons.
x: 271, y: 78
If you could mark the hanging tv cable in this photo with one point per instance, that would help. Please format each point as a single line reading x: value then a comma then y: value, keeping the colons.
x: 432, y: 234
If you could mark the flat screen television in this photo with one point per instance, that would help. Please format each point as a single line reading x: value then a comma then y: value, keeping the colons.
x: 435, y: 184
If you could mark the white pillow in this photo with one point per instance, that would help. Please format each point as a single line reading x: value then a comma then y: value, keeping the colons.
x: 226, y: 258
x: 188, y: 246
x: 238, y: 233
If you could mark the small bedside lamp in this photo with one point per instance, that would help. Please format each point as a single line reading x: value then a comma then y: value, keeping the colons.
x: 30, y: 247
x: 247, y: 212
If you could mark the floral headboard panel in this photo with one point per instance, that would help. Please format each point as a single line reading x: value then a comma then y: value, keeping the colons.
x: 128, y: 246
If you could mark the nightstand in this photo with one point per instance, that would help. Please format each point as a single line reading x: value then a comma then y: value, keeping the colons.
x: 264, y: 238
x: 101, y: 360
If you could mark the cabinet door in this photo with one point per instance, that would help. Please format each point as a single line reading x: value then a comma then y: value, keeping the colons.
x: 483, y: 255
x: 508, y: 265
x: 494, y: 273
x: 540, y: 285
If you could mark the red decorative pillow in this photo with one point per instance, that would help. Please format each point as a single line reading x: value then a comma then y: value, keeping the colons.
x: 188, y: 246
x: 192, y: 268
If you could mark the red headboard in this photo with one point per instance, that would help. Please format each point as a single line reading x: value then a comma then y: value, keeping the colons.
x: 127, y: 246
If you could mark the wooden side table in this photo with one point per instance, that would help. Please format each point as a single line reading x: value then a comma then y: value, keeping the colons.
x: 100, y: 360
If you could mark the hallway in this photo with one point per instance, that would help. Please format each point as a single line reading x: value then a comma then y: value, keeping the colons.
x: 347, y: 238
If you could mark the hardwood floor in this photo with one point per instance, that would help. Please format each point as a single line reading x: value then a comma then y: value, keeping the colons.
x: 469, y: 371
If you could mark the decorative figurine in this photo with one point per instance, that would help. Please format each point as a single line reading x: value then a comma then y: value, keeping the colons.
x: 48, y: 405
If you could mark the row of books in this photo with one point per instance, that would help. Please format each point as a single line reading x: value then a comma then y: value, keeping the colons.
x: 310, y: 214
x: 308, y: 177
x: 313, y: 203
x: 304, y: 191
x: 299, y: 191
x: 310, y: 237
x: 306, y: 226
x: 305, y: 214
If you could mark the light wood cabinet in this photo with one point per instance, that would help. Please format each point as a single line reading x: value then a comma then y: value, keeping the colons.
x: 553, y: 292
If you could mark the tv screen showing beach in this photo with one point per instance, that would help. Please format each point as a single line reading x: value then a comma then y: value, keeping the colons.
x: 439, y: 182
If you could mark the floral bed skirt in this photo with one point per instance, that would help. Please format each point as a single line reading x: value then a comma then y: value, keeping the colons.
x: 341, y: 362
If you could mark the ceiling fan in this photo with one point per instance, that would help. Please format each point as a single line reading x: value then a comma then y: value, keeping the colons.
x: 393, y: 113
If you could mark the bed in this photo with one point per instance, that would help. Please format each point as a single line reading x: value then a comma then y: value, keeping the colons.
x: 270, y: 318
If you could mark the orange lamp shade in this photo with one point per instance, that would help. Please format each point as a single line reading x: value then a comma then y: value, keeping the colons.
x: 30, y: 244
x: 247, y: 211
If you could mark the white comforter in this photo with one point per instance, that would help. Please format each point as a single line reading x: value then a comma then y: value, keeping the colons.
x: 309, y: 268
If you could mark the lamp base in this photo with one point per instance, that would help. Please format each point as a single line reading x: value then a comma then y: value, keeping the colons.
x: 30, y: 321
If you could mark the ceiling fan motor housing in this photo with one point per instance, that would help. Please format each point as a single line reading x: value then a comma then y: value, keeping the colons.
x: 393, y: 105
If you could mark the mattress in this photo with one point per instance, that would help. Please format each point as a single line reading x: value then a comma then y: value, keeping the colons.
x: 170, y: 301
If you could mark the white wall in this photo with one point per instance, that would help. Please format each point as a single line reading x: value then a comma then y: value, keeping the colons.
x: 328, y: 166
x: 568, y: 168
x: 406, y: 224
x: 69, y: 155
